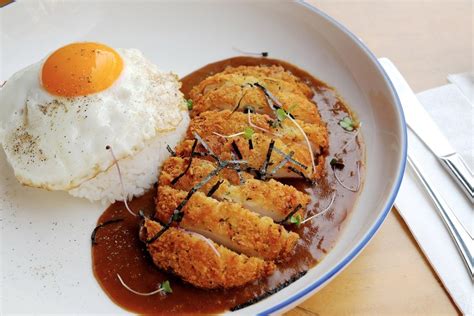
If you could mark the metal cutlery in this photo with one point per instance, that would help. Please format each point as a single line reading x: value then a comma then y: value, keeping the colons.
x: 460, y: 236
x: 420, y: 122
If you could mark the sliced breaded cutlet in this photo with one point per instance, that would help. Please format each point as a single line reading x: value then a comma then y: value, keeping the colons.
x: 228, y: 123
x: 241, y: 87
x: 268, y: 198
x: 228, y: 224
x: 212, y: 126
x: 194, y: 260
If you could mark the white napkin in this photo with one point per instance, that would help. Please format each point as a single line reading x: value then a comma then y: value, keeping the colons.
x: 453, y: 112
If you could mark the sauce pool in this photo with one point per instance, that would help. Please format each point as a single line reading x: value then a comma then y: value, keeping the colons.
x: 118, y: 249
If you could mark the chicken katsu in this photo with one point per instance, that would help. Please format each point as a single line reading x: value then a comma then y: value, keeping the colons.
x: 267, y: 198
x: 246, y: 217
x: 242, y: 87
x: 245, y: 204
x: 198, y: 263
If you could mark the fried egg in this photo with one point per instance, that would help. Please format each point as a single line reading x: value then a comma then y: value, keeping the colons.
x: 58, y: 116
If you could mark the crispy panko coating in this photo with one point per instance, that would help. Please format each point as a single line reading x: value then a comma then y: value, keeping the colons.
x: 235, y: 89
x: 228, y: 123
x: 268, y: 198
x: 228, y: 224
x: 194, y: 260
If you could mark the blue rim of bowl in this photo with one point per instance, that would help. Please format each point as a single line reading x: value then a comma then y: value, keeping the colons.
x: 393, y: 194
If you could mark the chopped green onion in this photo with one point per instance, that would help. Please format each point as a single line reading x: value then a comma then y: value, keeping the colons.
x: 189, y: 102
x: 248, y: 132
x: 347, y: 124
x: 166, y: 287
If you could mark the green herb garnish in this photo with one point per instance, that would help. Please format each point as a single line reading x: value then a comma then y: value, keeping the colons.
x: 347, y: 123
x: 166, y: 287
x: 189, y: 102
x: 295, y: 219
x: 337, y: 163
x: 281, y: 114
x: 248, y: 132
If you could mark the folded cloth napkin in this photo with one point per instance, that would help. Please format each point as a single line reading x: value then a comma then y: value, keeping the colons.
x: 451, y: 107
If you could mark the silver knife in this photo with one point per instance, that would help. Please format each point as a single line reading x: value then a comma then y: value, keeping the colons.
x: 420, y: 122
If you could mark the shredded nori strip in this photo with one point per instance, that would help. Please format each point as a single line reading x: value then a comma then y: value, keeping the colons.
x: 177, y: 215
x: 282, y: 153
x: 264, y: 54
x: 270, y: 292
x: 296, y: 209
x: 236, y: 150
x: 282, y: 163
x: 274, y: 104
x: 238, y: 170
x: 170, y: 150
x: 250, y: 144
x: 256, y: 172
x: 200, y: 154
x: 240, y: 101
x: 175, y: 180
x: 157, y: 235
x: 206, y: 146
x: 94, y: 232
x: 301, y: 174
x: 263, y: 170
x: 214, y: 188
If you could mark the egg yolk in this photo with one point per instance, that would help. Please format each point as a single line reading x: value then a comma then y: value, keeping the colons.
x: 80, y: 69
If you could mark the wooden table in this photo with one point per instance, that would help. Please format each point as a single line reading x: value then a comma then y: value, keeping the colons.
x: 427, y: 40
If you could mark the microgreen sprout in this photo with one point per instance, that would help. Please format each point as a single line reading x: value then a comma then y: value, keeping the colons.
x: 347, y: 123
x: 281, y: 114
x: 248, y: 132
x: 189, y: 103
x: 323, y: 211
x: 124, y: 196
x: 295, y: 219
x: 163, y: 287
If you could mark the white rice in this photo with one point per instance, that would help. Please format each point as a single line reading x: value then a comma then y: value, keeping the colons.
x: 139, y: 172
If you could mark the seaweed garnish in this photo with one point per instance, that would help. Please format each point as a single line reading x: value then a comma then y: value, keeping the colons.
x: 238, y: 170
x: 171, y: 151
x: 275, y: 105
x: 193, y: 148
x: 240, y: 101
x: 236, y: 150
x: 269, y: 292
x: 296, y: 162
x: 178, y: 214
x: 296, y: 209
x: 206, y: 147
x: 214, y: 188
x: 282, y: 163
x: 263, y: 169
x: 250, y: 144
x: 301, y: 174
x: 94, y: 232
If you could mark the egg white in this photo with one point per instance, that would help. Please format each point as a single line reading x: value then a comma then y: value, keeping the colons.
x: 57, y: 143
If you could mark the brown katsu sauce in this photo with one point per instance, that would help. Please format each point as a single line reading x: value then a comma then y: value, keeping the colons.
x: 118, y: 249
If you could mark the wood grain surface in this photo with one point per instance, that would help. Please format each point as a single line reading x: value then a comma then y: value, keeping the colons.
x: 427, y: 40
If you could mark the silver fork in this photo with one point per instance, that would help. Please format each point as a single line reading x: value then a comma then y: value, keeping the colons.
x: 463, y: 241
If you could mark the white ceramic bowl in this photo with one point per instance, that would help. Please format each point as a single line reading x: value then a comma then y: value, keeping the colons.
x: 46, y: 265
